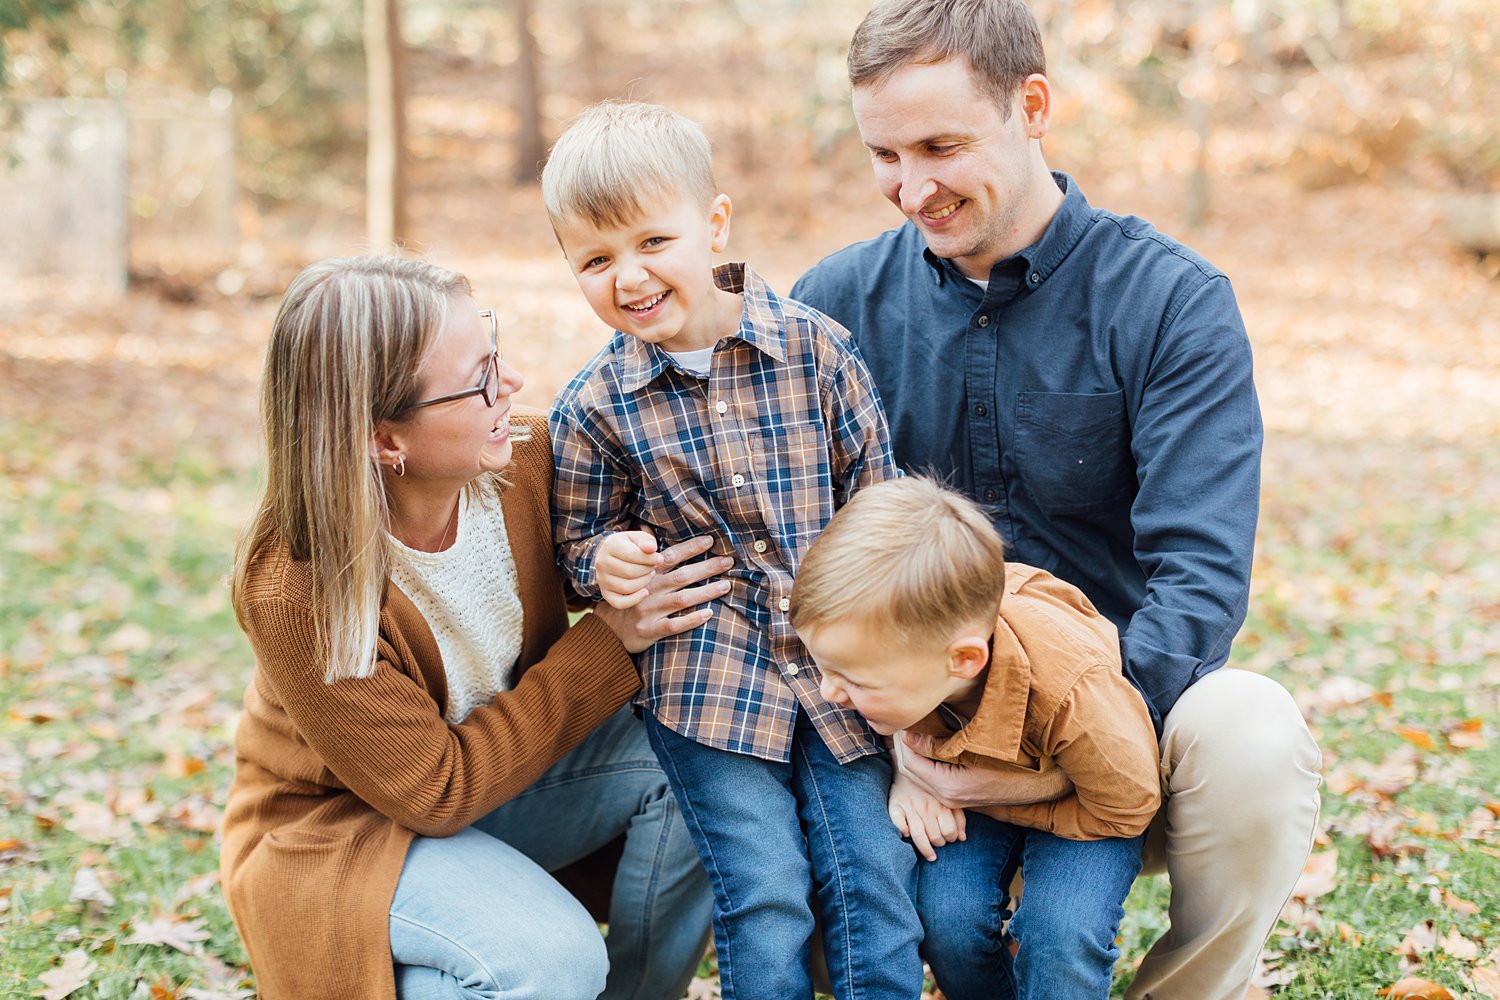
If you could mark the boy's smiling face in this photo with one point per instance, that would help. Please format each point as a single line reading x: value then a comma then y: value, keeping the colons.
x: 652, y: 278
x: 893, y: 685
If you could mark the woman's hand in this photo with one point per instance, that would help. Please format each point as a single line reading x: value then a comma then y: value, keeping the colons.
x: 673, y: 589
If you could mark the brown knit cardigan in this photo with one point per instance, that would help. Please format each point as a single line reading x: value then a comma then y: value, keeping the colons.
x: 332, y: 781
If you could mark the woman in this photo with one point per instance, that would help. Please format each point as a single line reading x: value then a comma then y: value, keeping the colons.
x: 422, y: 739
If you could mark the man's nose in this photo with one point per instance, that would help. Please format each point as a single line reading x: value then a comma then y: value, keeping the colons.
x: 917, y: 188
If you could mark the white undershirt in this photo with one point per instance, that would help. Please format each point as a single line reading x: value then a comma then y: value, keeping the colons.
x: 698, y: 362
x: 470, y: 597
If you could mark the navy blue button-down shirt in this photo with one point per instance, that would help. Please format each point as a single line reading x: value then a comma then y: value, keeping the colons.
x: 1096, y: 399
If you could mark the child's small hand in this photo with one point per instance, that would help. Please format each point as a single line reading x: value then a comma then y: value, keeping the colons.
x: 624, y: 565
x: 924, y: 819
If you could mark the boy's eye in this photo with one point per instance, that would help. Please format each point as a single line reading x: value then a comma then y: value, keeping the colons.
x: 593, y: 262
x: 654, y: 241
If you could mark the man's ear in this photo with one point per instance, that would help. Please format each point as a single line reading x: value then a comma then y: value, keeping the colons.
x: 718, y: 222
x: 1036, y: 105
x: 968, y: 656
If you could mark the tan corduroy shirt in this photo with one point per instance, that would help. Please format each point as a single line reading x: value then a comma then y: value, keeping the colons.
x: 1055, y: 696
x: 332, y: 781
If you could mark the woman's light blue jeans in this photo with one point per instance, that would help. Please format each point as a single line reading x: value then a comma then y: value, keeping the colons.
x: 477, y: 916
x: 1065, y: 924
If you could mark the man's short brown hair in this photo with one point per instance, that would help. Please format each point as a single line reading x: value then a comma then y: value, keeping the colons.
x: 998, y: 39
x: 914, y: 558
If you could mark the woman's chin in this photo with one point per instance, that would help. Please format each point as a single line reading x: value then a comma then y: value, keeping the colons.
x: 497, y: 456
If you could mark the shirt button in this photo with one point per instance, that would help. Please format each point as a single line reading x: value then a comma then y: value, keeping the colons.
x: 737, y: 480
x: 1034, y: 277
x: 989, y: 495
x: 793, y: 669
x: 721, y: 406
x: 784, y: 603
x: 980, y: 409
x: 760, y: 545
x: 984, y: 321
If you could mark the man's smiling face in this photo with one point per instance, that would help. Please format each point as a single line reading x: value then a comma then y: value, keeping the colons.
x: 953, y: 161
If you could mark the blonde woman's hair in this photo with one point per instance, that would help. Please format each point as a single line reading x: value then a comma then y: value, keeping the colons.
x: 614, y: 155
x: 345, y: 350
x: 914, y: 559
x: 998, y: 39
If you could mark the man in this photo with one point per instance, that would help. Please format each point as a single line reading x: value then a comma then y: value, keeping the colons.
x: 1088, y: 381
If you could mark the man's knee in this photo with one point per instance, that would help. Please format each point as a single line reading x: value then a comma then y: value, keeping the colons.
x: 1240, y: 731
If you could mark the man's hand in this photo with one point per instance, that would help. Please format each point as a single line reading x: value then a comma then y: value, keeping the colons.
x: 624, y: 565
x: 924, y: 819
x: 960, y: 787
x: 672, y: 589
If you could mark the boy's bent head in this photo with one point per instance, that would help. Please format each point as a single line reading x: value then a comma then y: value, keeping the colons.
x: 617, y: 157
x: 896, y: 600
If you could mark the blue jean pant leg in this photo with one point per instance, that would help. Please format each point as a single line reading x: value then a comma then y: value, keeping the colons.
x: 660, y: 900
x: 1066, y: 923
x: 742, y: 815
x: 864, y: 871
x: 1070, y: 913
x: 475, y: 919
x: 962, y: 900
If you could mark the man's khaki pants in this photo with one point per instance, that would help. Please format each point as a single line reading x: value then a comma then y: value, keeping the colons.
x: 1240, y: 776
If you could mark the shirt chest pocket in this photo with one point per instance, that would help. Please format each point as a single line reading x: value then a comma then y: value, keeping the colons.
x: 1073, y: 450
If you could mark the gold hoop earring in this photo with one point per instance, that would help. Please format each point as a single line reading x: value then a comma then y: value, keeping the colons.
x: 399, y: 466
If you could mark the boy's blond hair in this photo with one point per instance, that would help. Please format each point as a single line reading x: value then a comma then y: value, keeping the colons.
x: 616, y: 154
x: 916, y: 560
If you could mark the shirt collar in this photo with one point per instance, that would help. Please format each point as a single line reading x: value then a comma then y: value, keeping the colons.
x: 1040, y: 259
x: 761, y: 326
x: 996, y: 730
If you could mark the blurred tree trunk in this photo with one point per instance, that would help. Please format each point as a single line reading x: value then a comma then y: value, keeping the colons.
x: 385, y: 163
x: 1204, y: 85
x: 591, y: 66
x: 530, y: 146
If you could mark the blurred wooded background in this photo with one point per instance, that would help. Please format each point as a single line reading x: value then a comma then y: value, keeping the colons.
x: 166, y: 167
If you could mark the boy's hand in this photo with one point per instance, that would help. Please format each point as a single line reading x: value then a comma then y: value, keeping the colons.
x: 624, y: 565
x: 677, y: 592
x: 924, y: 819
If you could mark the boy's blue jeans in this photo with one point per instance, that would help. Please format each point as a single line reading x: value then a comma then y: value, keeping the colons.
x: 779, y: 839
x: 1065, y: 924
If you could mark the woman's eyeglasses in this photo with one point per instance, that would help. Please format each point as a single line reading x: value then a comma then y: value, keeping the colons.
x: 489, y: 386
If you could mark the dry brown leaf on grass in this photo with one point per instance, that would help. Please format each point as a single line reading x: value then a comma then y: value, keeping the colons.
x: 1318, y: 877
x: 1419, y: 738
x: 72, y: 975
x: 1458, y: 904
x: 1419, y: 941
x: 1415, y: 989
x: 1466, y: 735
x: 1458, y: 946
x: 1485, y: 981
x: 171, y: 932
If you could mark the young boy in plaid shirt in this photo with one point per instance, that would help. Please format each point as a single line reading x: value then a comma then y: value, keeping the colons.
x: 721, y: 409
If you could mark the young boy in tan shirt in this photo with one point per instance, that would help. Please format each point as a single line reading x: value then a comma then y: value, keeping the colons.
x: 914, y: 620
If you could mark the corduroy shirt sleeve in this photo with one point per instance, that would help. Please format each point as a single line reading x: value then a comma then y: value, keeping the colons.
x: 385, y: 739
x: 1101, y: 737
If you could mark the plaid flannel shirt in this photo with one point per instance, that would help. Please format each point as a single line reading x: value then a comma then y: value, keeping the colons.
x: 759, y: 455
